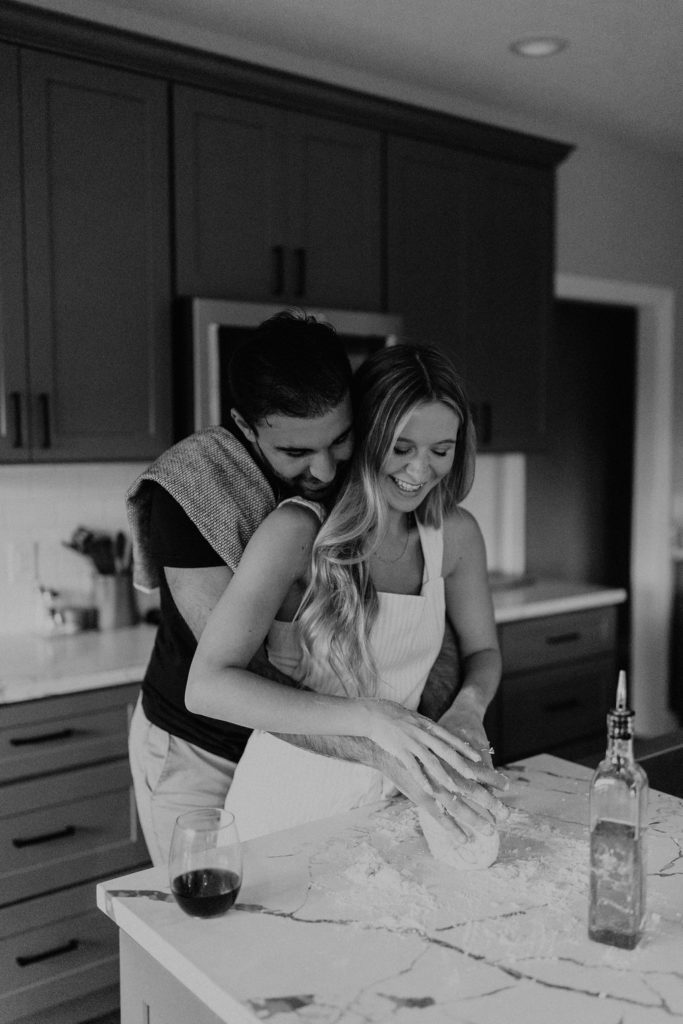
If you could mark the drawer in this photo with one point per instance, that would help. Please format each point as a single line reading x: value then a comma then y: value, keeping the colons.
x: 41, y: 736
x: 553, y: 639
x: 53, y: 949
x: 61, y: 830
x: 543, y: 710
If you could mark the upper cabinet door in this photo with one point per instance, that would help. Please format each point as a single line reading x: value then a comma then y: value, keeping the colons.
x: 97, y: 259
x: 425, y: 225
x: 14, y: 427
x: 230, y: 196
x: 274, y: 206
x: 508, y: 297
x: 335, y: 219
x: 470, y: 268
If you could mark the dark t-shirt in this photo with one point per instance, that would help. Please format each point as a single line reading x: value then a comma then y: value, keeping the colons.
x: 176, y: 541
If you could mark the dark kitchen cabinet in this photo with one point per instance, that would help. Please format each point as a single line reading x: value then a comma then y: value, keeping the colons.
x: 67, y: 820
x: 13, y: 433
x: 559, y: 674
x: 272, y: 204
x: 425, y: 230
x: 507, y: 298
x: 89, y: 361
x: 470, y: 267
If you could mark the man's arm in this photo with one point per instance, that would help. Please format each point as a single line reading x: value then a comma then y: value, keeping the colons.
x: 196, y: 593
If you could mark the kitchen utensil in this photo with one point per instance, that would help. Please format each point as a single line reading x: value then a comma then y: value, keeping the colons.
x: 115, y: 601
x: 205, y: 864
x: 122, y: 553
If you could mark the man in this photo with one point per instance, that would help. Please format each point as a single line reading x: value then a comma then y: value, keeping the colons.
x: 191, y: 514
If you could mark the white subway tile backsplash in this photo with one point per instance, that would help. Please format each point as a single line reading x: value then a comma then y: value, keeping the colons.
x: 40, y: 506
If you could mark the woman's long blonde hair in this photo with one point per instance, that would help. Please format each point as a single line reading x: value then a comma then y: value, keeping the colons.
x: 340, y: 603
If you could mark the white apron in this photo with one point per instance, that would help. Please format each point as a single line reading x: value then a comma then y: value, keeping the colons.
x: 277, y: 785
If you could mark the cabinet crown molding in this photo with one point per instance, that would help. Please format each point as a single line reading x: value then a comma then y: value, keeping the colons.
x: 26, y: 25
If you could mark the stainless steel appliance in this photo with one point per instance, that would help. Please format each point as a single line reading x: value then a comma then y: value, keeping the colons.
x: 214, y: 326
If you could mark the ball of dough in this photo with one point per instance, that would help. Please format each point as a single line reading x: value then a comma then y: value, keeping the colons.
x: 480, y: 852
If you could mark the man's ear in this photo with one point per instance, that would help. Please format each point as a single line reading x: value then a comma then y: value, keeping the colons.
x: 239, y: 419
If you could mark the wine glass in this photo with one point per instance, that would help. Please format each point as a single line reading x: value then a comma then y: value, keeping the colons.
x: 205, y: 864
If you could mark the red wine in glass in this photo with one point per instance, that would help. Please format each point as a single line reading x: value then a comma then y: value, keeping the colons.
x: 205, y: 862
x: 206, y: 892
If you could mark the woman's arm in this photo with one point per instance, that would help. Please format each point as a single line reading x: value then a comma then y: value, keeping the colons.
x: 221, y: 686
x: 470, y: 610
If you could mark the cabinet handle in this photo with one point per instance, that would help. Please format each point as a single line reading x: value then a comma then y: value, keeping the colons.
x: 44, y: 403
x: 15, y: 401
x: 563, y: 705
x: 47, y: 837
x: 300, y: 263
x: 47, y: 737
x: 277, y: 283
x: 486, y: 422
x: 562, y: 638
x: 68, y: 947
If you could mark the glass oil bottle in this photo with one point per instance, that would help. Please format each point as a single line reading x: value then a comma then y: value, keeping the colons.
x: 618, y: 821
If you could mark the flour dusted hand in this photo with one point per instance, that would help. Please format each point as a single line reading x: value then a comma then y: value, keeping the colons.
x: 480, y: 852
x: 419, y: 744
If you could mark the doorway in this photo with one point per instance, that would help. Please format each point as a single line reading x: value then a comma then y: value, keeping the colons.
x: 651, y: 570
x: 580, y: 488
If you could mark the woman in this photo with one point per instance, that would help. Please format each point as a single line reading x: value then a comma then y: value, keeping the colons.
x: 355, y: 609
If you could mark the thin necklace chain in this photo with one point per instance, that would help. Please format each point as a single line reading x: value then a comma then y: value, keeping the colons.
x: 397, y: 558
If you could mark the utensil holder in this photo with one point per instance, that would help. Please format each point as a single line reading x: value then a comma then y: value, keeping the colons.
x: 115, y: 601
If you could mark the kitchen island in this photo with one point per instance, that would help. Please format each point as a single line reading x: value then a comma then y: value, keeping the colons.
x: 350, y: 920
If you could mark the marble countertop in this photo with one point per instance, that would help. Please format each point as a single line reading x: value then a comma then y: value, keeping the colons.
x: 34, y: 666
x: 350, y: 920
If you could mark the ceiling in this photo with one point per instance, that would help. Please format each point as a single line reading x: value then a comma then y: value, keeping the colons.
x: 621, y: 73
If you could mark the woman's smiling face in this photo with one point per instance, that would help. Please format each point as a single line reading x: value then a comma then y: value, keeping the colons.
x: 422, y: 454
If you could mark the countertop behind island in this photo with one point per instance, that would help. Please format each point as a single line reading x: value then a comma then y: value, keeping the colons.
x: 34, y: 666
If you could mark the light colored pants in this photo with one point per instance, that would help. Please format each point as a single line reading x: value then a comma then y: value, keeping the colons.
x: 171, y: 776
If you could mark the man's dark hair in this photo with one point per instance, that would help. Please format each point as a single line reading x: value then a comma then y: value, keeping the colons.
x: 293, y: 365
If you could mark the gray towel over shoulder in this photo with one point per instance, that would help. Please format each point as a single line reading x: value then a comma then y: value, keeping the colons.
x: 216, y: 483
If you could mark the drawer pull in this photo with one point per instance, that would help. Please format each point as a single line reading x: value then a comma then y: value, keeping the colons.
x: 68, y: 947
x: 47, y: 737
x: 15, y: 400
x: 563, y: 705
x: 563, y: 638
x: 47, y: 837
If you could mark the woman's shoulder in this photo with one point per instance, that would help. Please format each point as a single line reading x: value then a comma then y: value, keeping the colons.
x: 287, y: 533
x: 462, y: 537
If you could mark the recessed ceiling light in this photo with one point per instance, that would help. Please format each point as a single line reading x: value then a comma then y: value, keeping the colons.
x: 539, y: 46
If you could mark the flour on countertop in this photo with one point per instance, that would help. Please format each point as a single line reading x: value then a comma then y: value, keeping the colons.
x: 540, y: 872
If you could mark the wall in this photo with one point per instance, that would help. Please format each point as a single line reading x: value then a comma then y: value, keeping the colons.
x: 42, y: 505
x: 620, y: 217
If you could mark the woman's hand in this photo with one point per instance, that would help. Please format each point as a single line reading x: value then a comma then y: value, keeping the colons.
x: 439, y: 771
x: 465, y: 719
x: 417, y: 742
